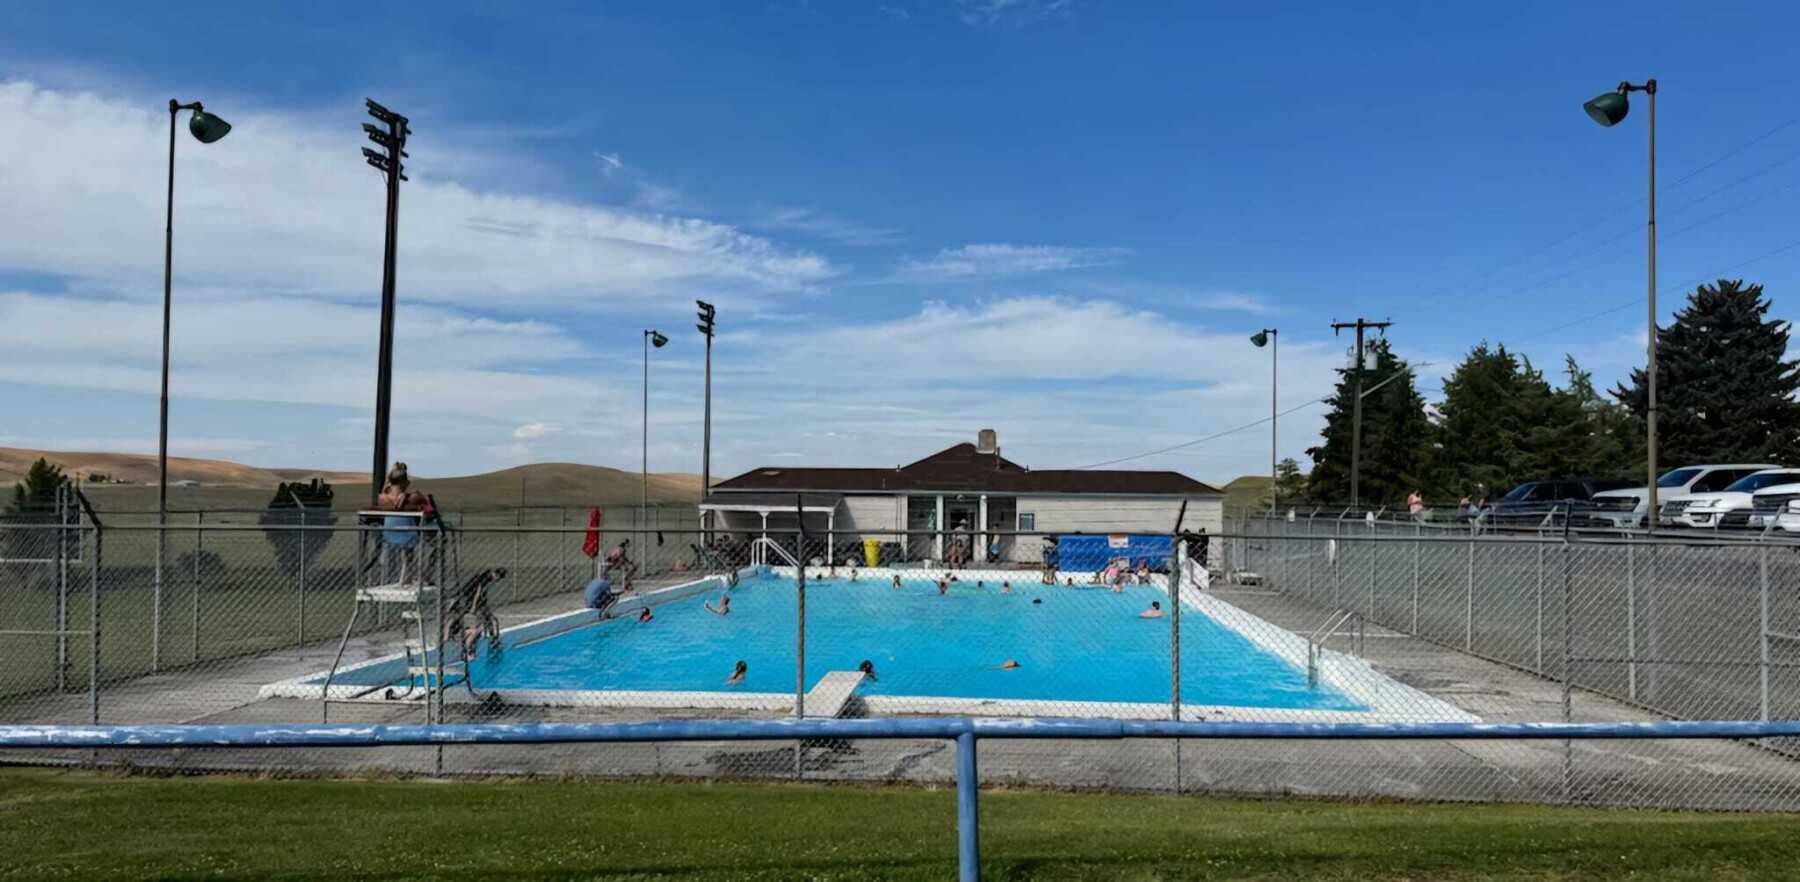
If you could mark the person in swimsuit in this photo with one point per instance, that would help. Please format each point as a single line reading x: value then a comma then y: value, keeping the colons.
x: 1005, y: 587
x: 737, y: 674
x: 723, y: 609
x: 645, y: 615
x: 896, y: 582
x: 1007, y: 665
x: 868, y: 668
x: 1154, y: 612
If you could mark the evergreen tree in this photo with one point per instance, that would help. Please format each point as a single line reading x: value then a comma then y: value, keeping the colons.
x: 1396, y: 435
x: 1725, y: 386
x: 1611, y: 440
x: 1290, y: 482
x: 38, y: 494
x: 293, y: 504
x: 1481, y: 425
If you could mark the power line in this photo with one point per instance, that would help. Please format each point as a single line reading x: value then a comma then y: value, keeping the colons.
x: 1622, y: 209
x: 1186, y: 444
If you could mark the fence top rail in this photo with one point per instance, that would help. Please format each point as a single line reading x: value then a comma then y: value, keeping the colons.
x: 253, y: 735
x: 845, y: 533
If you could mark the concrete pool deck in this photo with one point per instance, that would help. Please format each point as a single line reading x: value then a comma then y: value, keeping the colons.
x: 1698, y: 774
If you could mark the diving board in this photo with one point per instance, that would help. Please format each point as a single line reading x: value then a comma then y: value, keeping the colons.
x: 832, y: 696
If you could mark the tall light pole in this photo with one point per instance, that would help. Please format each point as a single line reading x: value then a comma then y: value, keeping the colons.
x: 1270, y: 337
x: 1608, y: 109
x: 206, y: 129
x: 706, y: 328
x: 651, y: 338
x: 390, y: 161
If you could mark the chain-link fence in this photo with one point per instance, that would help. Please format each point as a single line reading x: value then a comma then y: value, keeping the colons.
x: 399, y: 620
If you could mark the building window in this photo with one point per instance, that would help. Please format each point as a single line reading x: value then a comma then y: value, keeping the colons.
x: 1027, y: 522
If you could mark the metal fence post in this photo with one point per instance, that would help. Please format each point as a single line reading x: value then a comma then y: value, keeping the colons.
x: 968, y: 810
x: 518, y: 521
x: 1538, y: 642
x: 1337, y: 531
x: 1374, y: 572
x: 1568, y: 708
x: 564, y: 542
x: 94, y: 633
x: 64, y: 509
x: 199, y: 552
x: 1763, y: 633
x: 1418, y: 530
x: 1630, y: 623
x: 1469, y: 598
x: 300, y: 619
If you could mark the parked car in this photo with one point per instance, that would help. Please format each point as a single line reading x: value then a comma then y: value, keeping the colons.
x: 1625, y: 507
x: 1772, y: 507
x: 1731, y: 508
x: 1549, y: 501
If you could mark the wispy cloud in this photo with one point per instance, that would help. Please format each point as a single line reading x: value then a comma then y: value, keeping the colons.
x: 1015, y: 12
x: 810, y: 222
x: 1002, y: 259
x: 535, y: 430
x: 259, y: 209
x: 1232, y: 301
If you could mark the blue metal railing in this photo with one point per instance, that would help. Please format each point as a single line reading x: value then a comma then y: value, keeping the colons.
x: 964, y: 731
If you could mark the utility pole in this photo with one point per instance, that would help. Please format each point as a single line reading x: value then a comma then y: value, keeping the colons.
x: 1360, y: 325
x: 392, y: 140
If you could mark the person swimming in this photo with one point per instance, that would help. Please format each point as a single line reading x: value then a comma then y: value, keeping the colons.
x: 724, y: 607
x: 645, y: 615
x: 868, y: 667
x: 737, y: 674
x: 1154, y: 612
x: 980, y: 585
x: 896, y: 581
x: 1005, y: 587
x: 1037, y: 600
x: 1007, y: 665
x: 943, y: 586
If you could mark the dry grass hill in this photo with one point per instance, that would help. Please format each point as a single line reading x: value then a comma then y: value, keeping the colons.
x: 224, y: 484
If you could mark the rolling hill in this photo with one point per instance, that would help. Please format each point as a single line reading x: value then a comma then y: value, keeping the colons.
x: 223, y: 484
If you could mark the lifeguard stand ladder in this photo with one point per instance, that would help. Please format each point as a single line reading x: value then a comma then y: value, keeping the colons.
x: 398, y: 575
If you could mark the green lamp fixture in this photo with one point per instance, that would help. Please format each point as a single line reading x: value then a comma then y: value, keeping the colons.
x: 657, y: 339
x: 1260, y: 339
x: 205, y: 127
x: 1609, y: 108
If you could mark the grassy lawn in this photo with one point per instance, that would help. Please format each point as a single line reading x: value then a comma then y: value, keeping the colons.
x: 89, y: 826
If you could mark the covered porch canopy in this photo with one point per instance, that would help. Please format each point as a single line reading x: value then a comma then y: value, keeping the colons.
x: 763, y: 505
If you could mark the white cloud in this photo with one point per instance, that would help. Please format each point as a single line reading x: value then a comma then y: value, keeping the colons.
x: 610, y: 162
x: 1002, y: 259
x: 810, y: 222
x: 992, y: 12
x: 535, y: 430
x: 286, y: 205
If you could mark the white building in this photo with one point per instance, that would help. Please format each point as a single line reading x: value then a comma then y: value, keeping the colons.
x: 968, y: 486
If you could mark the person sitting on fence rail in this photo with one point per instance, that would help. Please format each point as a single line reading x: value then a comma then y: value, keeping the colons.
x: 470, y: 616
x: 599, y: 595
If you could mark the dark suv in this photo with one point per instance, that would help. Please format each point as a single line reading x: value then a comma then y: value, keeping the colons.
x: 1548, y: 502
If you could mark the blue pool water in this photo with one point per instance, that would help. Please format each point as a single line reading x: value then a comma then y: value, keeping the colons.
x: 1078, y: 644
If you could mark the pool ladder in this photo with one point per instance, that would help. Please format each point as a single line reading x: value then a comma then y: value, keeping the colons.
x: 762, y: 545
x: 1344, y: 620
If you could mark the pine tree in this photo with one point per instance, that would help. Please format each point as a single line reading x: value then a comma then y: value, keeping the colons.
x: 1725, y: 386
x: 1396, y: 435
x: 1481, y: 425
x: 307, y: 505
x: 38, y: 494
x: 1290, y: 482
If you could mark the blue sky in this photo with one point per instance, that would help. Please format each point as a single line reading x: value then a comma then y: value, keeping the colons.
x: 1057, y: 219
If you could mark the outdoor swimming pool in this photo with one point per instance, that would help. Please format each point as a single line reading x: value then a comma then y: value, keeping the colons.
x: 1075, y: 644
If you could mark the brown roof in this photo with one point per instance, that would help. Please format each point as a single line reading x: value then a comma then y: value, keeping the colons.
x: 964, y: 469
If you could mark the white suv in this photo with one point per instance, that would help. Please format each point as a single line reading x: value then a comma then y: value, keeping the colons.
x: 1625, y: 508
x: 1732, y: 507
x: 1769, y: 507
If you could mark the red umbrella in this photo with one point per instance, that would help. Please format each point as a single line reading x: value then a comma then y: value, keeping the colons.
x: 590, y: 545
